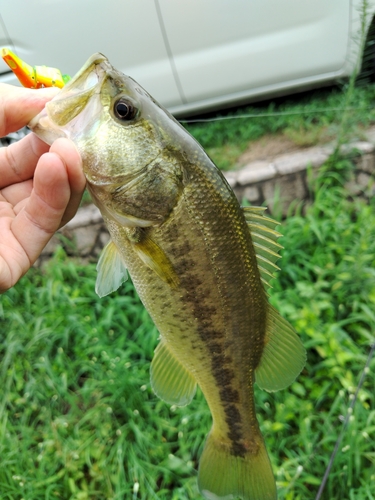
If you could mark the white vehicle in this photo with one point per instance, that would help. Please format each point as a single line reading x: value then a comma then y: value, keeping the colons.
x: 193, y: 55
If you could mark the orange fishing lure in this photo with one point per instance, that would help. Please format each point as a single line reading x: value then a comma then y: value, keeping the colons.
x: 34, y: 77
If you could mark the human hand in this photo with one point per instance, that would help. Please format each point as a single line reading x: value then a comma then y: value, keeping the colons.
x: 40, y: 186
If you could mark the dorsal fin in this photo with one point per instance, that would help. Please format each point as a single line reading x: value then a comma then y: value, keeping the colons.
x: 264, y: 236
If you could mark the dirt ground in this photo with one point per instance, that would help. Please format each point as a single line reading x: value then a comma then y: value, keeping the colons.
x: 267, y: 147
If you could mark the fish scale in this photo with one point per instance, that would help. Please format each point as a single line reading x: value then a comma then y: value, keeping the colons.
x: 177, y: 228
x: 214, y: 305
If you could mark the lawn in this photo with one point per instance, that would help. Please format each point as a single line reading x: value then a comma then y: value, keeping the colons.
x: 78, y: 419
x: 305, y: 119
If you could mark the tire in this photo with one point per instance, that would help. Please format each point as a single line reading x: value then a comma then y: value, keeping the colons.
x: 366, y: 74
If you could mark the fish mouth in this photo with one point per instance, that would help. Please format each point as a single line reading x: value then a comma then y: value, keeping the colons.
x: 65, y: 115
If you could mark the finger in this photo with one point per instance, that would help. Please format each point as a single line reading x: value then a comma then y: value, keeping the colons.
x: 19, y: 105
x: 18, y: 161
x: 16, y: 193
x: 77, y: 181
x: 42, y: 215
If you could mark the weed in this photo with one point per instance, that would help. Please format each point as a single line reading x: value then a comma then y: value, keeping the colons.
x: 78, y: 418
x: 305, y: 118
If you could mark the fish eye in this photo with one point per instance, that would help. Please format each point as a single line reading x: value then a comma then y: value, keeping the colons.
x: 124, y: 110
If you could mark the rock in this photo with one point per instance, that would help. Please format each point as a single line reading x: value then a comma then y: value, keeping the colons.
x: 252, y: 194
x: 85, y: 238
x: 104, y: 238
x: 85, y: 216
x: 366, y: 163
x: 284, y: 191
x: 361, y: 147
x: 255, y: 172
x: 52, y: 245
x: 296, y: 162
x: 231, y: 177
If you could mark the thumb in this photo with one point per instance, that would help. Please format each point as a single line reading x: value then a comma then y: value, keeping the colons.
x: 19, y: 105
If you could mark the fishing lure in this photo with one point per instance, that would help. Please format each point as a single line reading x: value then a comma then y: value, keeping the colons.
x: 34, y: 77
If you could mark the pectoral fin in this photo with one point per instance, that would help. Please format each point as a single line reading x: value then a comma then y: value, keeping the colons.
x: 154, y: 257
x: 111, y: 271
x: 170, y: 381
x: 283, y: 357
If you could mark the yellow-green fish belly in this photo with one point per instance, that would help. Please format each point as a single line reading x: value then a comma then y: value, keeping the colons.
x: 214, y: 320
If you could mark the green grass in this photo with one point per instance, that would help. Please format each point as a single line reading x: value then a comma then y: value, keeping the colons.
x: 327, y: 290
x: 78, y: 419
x: 306, y: 119
x: 76, y: 400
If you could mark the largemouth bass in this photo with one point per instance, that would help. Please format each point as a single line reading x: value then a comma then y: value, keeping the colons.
x: 201, y: 265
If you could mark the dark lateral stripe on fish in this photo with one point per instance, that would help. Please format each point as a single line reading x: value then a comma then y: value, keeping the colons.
x: 223, y: 375
x: 229, y: 398
x: 233, y: 419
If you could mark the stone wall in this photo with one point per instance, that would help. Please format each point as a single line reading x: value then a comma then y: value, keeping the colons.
x: 284, y: 178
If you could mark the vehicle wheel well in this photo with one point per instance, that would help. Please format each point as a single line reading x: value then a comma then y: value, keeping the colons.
x: 366, y: 74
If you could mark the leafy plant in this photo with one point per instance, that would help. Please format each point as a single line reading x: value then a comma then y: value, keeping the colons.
x: 78, y: 418
x: 306, y: 119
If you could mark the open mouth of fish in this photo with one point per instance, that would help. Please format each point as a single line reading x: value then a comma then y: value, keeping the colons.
x: 65, y: 114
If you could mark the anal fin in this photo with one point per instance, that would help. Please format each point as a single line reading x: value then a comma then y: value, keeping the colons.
x: 170, y: 381
x: 283, y: 356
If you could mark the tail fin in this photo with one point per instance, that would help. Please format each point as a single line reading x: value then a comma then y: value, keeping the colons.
x: 223, y: 476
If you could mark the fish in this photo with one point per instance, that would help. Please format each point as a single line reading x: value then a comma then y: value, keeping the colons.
x: 200, y: 263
